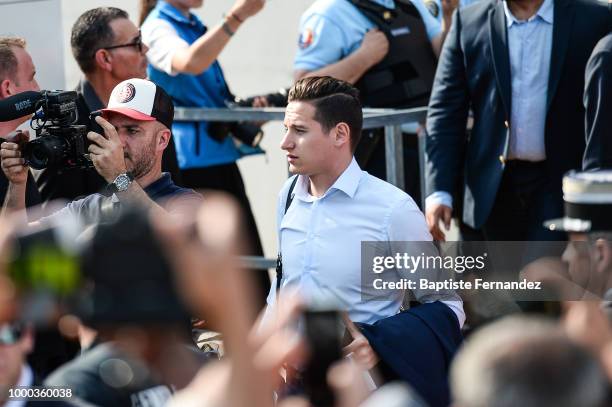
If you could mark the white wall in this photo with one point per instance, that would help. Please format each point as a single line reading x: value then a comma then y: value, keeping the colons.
x: 258, y: 59
x: 39, y: 22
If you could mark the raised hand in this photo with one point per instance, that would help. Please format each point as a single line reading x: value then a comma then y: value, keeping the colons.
x: 13, y: 163
x: 244, y: 9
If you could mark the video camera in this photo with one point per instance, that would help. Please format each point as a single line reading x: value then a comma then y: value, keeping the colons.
x: 59, y: 143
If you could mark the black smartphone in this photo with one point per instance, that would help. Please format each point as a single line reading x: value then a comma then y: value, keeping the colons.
x: 323, y: 330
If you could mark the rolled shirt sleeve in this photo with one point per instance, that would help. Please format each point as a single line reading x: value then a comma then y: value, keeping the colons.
x: 163, y: 42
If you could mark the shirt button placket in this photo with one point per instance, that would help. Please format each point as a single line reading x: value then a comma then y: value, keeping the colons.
x: 310, y: 237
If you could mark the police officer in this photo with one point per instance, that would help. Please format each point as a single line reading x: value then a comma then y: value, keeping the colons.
x: 387, y: 48
x: 587, y: 200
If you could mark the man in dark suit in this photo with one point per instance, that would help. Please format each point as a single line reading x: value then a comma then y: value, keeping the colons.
x: 598, y: 105
x: 519, y: 65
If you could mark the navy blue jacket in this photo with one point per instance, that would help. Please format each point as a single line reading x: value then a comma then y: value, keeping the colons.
x: 474, y: 71
x: 418, y: 346
x: 598, y: 104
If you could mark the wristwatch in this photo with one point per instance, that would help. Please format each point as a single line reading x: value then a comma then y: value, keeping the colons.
x: 121, y: 183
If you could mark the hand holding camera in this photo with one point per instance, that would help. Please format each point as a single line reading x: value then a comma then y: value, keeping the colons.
x: 106, y: 151
x: 13, y: 164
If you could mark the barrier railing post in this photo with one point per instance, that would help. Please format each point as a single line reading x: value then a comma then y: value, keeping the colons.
x: 394, y: 155
x: 422, y: 181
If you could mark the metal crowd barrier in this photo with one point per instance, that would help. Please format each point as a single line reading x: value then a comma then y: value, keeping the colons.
x: 390, y: 119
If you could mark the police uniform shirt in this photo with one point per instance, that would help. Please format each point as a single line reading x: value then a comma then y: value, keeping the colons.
x: 330, y: 30
x: 435, y: 7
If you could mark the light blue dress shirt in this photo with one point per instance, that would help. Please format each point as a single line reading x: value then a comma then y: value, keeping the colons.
x: 530, y: 48
x: 320, y: 241
x: 330, y: 30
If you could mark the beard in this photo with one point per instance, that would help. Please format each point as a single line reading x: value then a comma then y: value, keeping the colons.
x: 144, y: 161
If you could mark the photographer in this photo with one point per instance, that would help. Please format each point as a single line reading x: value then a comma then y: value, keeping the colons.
x: 17, y: 74
x: 136, y: 132
x: 108, y: 49
x: 182, y: 58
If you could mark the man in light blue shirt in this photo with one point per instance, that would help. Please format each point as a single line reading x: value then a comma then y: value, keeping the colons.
x: 336, y: 206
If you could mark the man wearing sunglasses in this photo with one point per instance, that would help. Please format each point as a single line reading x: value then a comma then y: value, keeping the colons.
x: 108, y: 48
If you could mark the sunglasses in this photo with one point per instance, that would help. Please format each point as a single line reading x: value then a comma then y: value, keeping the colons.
x: 10, y: 334
x: 136, y: 43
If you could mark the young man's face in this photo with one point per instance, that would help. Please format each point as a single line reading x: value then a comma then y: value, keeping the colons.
x: 309, y: 149
x: 141, y: 143
x: 128, y: 62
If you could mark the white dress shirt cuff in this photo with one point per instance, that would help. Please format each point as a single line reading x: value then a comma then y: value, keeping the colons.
x: 439, y: 197
x: 457, y: 308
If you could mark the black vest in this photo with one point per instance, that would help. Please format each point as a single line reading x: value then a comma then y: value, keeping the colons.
x: 404, y: 78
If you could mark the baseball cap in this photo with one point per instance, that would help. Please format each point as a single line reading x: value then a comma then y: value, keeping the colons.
x: 587, y: 198
x: 141, y: 99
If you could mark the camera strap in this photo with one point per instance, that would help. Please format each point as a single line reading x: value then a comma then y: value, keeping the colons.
x: 279, y: 257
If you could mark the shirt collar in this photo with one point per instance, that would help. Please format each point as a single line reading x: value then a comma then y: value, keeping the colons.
x: 545, y: 12
x: 156, y: 187
x: 347, y: 182
x: 172, y: 12
x: 92, y: 100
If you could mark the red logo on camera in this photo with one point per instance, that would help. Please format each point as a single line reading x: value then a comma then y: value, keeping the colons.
x: 127, y: 93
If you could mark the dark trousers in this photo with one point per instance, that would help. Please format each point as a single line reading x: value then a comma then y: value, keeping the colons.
x: 525, y: 199
x: 227, y: 178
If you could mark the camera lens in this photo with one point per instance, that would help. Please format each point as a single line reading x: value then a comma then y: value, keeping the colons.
x: 46, y: 151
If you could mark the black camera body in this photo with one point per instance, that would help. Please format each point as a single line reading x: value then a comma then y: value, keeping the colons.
x: 248, y: 133
x: 59, y: 143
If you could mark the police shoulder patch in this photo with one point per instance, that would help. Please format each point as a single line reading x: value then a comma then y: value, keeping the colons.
x: 433, y: 7
x: 306, y: 38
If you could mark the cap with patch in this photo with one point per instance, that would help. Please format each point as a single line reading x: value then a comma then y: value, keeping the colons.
x: 141, y: 99
x: 588, y: 203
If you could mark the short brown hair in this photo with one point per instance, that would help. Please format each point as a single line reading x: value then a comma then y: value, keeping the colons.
x: 8, y: 60
x: 335, y: 101
x: 91, y: 32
